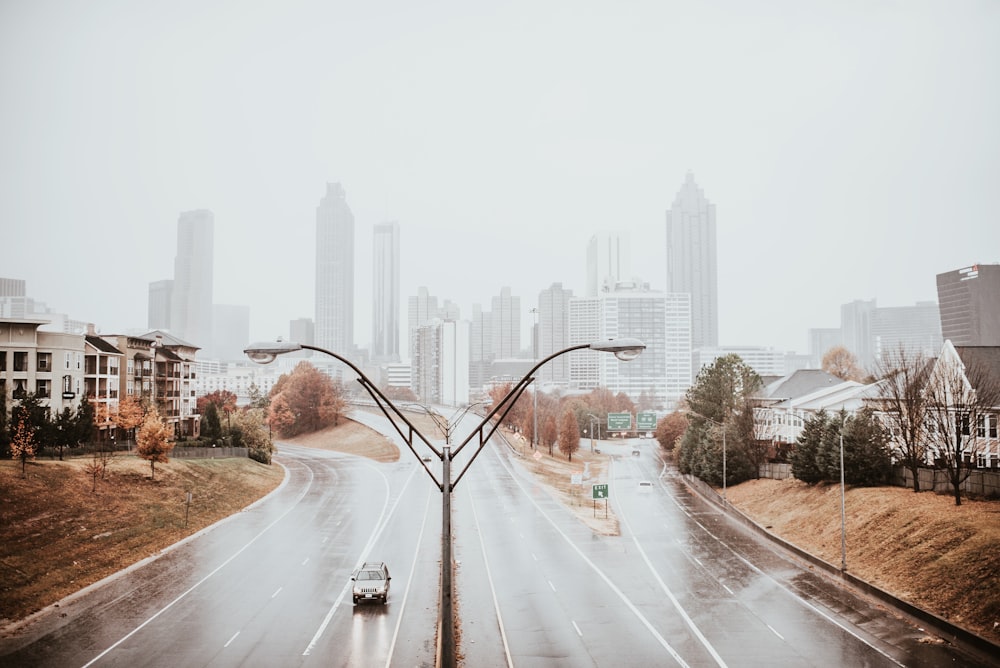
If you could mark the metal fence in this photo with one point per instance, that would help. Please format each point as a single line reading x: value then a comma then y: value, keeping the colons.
x: 984, y: 484
x: 183, y: 452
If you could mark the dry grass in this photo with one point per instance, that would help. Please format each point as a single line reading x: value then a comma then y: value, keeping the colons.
x: 555, y: 472
x: 922, y: 548
x: 59, y: 536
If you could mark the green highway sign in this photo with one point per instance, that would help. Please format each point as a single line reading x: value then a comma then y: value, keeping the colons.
x: 600, y: 491
x: 619, y: 421
x: 645, y: 421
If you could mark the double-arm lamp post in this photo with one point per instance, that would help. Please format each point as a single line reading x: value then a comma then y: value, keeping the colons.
x: 623, y: 349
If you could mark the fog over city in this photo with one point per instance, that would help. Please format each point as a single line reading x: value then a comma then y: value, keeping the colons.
x: 851, y: 148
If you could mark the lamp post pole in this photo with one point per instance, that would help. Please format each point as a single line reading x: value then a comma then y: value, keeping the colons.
x: 623, y: 349
x: 534, y: 390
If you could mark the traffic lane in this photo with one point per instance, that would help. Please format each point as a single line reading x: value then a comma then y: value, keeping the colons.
x: 293, y: 557
x: 554, y: 600
x: 100, y: 618
x: 802, y: 607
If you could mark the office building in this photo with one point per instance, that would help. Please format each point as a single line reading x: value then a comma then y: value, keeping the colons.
x: 158, y: 304
x: 552, y: 333
x: 385, y: 293
x: 335, y: 272
x: 191, y: 299
x: 969, y: 304
x: 231, y: 331
x: 505, y: 316
x: 609, y: 261
x: 692, y: 264
x: 440, y: 362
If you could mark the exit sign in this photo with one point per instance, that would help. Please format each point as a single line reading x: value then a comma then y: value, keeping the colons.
x: 600, y: 491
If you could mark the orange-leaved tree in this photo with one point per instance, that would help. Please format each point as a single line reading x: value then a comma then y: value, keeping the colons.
x: 22, y: 443
x: 153, y: 442
x: 842, y: 363
x: 129, y: 415
x: 305, y: 401
x: 569, y: 435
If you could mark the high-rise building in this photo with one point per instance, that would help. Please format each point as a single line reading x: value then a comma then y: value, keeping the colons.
x: 609, y: 261
x: 506, y: 322
x: 335, y: 272
x: 385, y: 293
x: 231, y: 332
x: 553, y: 332
x: 191, y: 300
x: 856, y: 330
x: 692, y: 264
x: 662, y: 321
x: 871, y: 332
x: 969, y: 303
x: 12, y: 287
x: 158, y: 304
x: 440, y: 362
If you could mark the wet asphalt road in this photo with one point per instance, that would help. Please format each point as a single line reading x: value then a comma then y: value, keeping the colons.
x: 681, y: 585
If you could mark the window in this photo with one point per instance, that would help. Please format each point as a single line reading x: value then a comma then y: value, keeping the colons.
x: 67, y: 384
x: 68, y: 358
x: 962, y: 424
x: 990, y: 424
x: 44, y: 361
x: 44, y: 388
x: 20, y: 388
x: 20, y: 361
x: 3, y: 360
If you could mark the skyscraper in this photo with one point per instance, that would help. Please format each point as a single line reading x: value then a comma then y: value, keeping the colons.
x: 553, y: 332
x: 191, y: 299
x: 506, y: 321
x: 158, y: 304
x: 609, y: 260
x: 385, y: 293
x: 335, y: 272
x: 969, y: 302
x: 692, y: 263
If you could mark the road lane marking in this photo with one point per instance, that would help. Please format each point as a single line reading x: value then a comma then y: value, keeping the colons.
x: 774, y: 632
x: 230, y: 641
x: 379, y: 528
x: 594, y: 567
x: 551, y: 586
x: 578, y: 631
x: 276, y: 592
x: 305, y: 561
x: 197, y: 584
x: 409, y: 582
x: 489, y: 578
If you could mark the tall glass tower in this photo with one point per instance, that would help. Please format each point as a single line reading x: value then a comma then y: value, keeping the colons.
x: 385, y: 293
x: 191, y: 297
x: 335, y: 272
x: 692, y: 264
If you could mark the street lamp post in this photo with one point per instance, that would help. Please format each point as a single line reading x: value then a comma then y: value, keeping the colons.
x: 593, y: 419
x: 843, y: 507
x: 534, y: 392
x: 623, y: 349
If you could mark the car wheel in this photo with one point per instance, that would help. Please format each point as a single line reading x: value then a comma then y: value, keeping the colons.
x: 355, y: 600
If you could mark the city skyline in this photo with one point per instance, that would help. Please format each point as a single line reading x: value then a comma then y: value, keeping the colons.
x: 850, y: 150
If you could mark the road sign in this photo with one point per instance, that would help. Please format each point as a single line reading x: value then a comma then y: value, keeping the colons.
x: 600, y: 491
x: 619, y: 421
x: 645, y: 421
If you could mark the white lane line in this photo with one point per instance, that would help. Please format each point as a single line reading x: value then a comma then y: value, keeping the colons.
x: 731, y: 593
x: 409, y: 582
x: 663, y: 585
x: 594, y: 567
x: 489, y: 578
x: 276, y: 592
x: 230, y: 641
x: 197, y: 584
x: 774, y: 632
x: 551, y: 586
x: 305, y: 561
x: 379, y: 528
x: 578, y: 631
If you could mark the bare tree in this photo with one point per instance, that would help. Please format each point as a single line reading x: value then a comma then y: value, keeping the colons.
x: 842, y: 363
x: 963, y: 397
x: 902, y: 404
x: 569, y: 435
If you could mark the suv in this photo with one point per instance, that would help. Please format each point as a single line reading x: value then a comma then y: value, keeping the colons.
x: 371, y: 582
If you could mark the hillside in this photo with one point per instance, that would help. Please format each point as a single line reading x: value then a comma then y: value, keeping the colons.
x: 919, y: 547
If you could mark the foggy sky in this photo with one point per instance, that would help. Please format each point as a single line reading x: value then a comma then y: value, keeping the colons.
x: 852, y: 149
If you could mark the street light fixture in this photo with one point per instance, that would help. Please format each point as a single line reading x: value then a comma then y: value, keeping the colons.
x: 625, y: 349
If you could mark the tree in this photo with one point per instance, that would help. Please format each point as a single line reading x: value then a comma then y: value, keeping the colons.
x: 257, y: 398
x: 670, y: 428
x: 902, y: 401
x: 805, y: 456
x: 817, y: 455
x: 569, y: 435
x: 842, y: 363
x: 250, y: 432
x: 129, y: 415
x: 153, y: 442
x: 65, y: 430
x: 211, y: 427
x: 85, y: 422
x: 22, y: 442
x: 549, y: 431
x: 305, y: 401
x: 963, y: 396
x: 224, y: 401
x: 36, y: 417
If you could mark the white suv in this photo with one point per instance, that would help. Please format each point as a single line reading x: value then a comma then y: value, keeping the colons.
x: 371, y: 582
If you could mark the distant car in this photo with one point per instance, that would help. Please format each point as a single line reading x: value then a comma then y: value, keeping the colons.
x: 645, y: 486
x: 636, y: 453
x: 426, y: 458
x: 371, y: 582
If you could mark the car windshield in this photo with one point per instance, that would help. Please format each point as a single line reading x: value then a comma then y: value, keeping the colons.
x: 370, y: 575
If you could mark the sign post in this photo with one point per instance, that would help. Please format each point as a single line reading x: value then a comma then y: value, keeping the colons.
x: 619, y: 422
x: 600, y: 492
x: 645, y: 421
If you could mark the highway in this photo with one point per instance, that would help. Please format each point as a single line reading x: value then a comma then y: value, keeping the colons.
x: 681, y: 585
